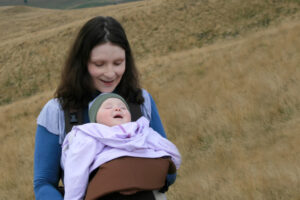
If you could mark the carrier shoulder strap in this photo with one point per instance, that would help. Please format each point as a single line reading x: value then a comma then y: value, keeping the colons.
x: 135, y: 110
x: 75, y: 117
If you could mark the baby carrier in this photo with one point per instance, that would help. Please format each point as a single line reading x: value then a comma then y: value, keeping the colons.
x: 101, y: 181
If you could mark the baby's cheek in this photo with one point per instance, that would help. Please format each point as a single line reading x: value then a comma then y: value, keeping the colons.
x: 102, y: 116
x: 129, y: 117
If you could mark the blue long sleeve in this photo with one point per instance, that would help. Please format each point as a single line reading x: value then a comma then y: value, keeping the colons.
x: 156, y: 124
x: 46, y: 165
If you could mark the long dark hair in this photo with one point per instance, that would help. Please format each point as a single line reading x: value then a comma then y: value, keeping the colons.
x: 76, y: 88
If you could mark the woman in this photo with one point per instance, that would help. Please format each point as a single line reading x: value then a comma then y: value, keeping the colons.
x: 100, y: 61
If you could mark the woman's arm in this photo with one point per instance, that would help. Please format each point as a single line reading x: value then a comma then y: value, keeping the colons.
x: 156, y: 124
x: 46, y: 165
x: 155, y: 121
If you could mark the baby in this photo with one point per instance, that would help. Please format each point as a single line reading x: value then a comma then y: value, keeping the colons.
x: 118, y: 147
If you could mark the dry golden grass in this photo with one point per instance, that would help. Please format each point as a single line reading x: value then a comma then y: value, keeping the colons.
x: 233, y: 111
x: 228, y: 97
x: 17, y: 122
x: 35, y: 41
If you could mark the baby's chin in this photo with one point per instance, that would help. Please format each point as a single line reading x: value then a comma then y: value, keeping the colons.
x: 117, y: 122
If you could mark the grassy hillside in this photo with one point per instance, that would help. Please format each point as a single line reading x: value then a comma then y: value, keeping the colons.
x: 225, y: 76
x: 39, y: 37
x: 63, y: 4
x: 233, y: 109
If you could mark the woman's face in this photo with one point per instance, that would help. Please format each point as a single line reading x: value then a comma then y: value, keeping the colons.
x: 106, y: 66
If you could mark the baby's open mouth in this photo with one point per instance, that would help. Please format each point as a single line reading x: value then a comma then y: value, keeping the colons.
x: 118, y: 116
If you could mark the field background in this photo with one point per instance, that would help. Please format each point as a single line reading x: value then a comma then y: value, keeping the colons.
x: 63, y: 4
x: 225, y: 76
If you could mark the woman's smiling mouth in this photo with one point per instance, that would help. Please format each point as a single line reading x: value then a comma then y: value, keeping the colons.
x: 104, y: 81
x: 107, y: 83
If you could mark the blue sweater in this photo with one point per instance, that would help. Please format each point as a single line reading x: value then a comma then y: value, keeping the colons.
x: 47, y: 170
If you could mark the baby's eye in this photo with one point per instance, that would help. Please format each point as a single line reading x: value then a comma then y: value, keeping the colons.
x: 108, y: 107
x: 123, y: 108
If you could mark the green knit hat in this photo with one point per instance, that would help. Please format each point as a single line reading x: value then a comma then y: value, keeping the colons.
x: 97, y: 102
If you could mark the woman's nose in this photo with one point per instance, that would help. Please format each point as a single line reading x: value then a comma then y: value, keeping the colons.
x: 109, y: 72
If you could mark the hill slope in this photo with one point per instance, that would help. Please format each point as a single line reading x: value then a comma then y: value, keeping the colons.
x: 233, y: 109
x: 39, y: 37
x: 226, y: 85
x: 63, y: 4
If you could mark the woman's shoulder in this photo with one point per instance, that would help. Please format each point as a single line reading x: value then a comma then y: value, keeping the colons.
x: 51, y: 107
x: 52, y: 117
x: 146, y: 106
x: 53, y: 104
x: 146, y: 96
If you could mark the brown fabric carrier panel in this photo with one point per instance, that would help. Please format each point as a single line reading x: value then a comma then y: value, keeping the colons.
x: 129, y: 175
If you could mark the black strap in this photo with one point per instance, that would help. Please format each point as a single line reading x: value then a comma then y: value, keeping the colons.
x: 142, y: 195
x: 74, y: 117
x: 135, y: 110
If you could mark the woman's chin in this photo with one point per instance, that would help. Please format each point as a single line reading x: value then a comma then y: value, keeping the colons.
x: 106, y: 90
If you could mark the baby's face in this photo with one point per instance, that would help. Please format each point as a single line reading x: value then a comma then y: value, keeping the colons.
x: 113, y: 112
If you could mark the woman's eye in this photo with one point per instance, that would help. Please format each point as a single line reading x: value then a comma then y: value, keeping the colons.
x: 99, y: 64
x: 118, y: 62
